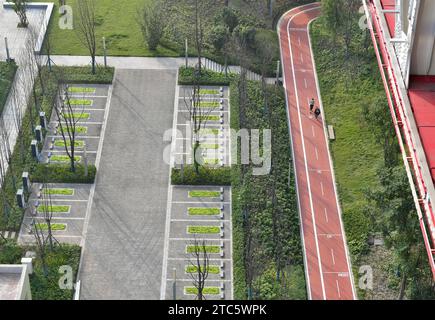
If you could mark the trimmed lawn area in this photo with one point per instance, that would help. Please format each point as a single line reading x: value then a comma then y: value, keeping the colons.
x: 81, y: 129
x: 77, y: 115
x: 203, y: 229
x: 204, y: 194
x: 209, y: 131
x: 54, y: 209
x: 209, y: 104
x: 54, y: 226
x: 59, y: 191
x: 203, y: 211
x: 211, y: 161
x: 206, y: 290
x: 63, y: 158
x: 77, y: 143
x: 208, y: 249
x: 7, y: 74
x: 81, y: 102
x: 81, y: 90
x: 211, y: 269
x: 209, y: 146
x: 115, y: 21
x: 209, y: 118
x: 208, y: 91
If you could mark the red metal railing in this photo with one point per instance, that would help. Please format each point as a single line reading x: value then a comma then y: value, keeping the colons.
x: 403, y: 131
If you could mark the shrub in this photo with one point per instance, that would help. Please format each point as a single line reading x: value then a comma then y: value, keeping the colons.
x: 60, y: 173
x: 10, y: 252
x: 206, y: 176
x: 186, y: 77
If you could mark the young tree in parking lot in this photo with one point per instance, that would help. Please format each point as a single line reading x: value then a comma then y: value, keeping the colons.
x: 200, y: 263
x: 68, y: 116
x: 86, y: 28
x: 152, y: 21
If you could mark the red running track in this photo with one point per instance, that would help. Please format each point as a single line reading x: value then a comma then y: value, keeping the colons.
x: 327, y: 266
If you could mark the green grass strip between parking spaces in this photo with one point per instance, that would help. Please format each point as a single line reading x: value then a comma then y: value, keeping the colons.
x: 53, y: 209
x: 208, y: 249
x: 63, y: 158
x: 209, y: 146
x: 77, y: 116
x: 208, y: 91
x: 81, y: 90
x: 203, y: 229
x: 209, y: 104
x: 81, y: 130
x: 206, y: 290
x: 209, y: 131
x: 211, y: 161
x: 81, y: 102
x: 54, y: 226
x: 203, y: 211
x: 77, y: 143
x: 211, y: 269
x: 204, y: 194
x: 209, y: 118
x: 59, y: 191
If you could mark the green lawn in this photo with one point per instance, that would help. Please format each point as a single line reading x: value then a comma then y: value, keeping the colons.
x: 81, y: 129
x: 203, y: 229
x: 76, y: 115
x: 81, y: 90
x: 59, y: 191
x: 209, y: 104
x: 208, y: 249
x: 209, y: 146
x: 208, y: 91
x: 63, y: 158
x: 203, y: 211
x: 115, y: 21
x: 206, y: 290
x: 77, y: 143
x: 53, y: 209
x: 80, y: 102
x: 211, y: 269
x: 209, y: 131
x: 209, y: 118
x: 204, y: 194
x: 54, y: 226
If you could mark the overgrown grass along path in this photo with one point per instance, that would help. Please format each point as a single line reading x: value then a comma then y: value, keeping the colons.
x: 7, y: 73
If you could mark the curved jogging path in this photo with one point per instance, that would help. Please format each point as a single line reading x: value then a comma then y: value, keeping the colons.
x: 327, y: 266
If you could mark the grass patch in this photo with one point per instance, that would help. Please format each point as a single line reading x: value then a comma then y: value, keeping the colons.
x: 206, y: 177
x: 209, y: 118
x: 81, y: 90
x: 204, y: 194
x: 209, y: 104
x: 203, y: 211
x: 80, y: 102
x: 63, y: 158
x: 211, y: 161
x: 211, y: 269
x: 205, y: 290
x: 53, y: 209
x: 208, y: 249
x: 54, y: 226
x: 59, y: 191
x: 83, y: 115
x: 209, y: 131
x: 77, y: 143
x: 61, y: 173
x: 203, y: 229
x: 209, y: 146
x: 81, y: 130
x: 208, y: 91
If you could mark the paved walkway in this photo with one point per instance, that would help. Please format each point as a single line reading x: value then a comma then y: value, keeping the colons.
x: 328, y: 270
x: 123, y: 250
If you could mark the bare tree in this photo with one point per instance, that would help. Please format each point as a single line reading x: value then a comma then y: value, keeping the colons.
x: 200, y: 261
x: 68, y: 117
x: 199, y: 112
x: 20, y: 8
x: 86, y: 28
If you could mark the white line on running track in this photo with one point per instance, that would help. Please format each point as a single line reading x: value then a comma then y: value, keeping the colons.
x: 321, y: 186
x: 333, y: 257
x: 317, y: 154
x: 338, y: 288
x: 304, y: 152
x: 326, y: 215
x: 305, y: 83
x: 302, y: 58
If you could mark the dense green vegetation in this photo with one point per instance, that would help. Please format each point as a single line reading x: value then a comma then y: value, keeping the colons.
x: 372, y: 184
x: 7, y: 74
x: 207, y: 176
x: 22, y: 160
x: 267, y: 253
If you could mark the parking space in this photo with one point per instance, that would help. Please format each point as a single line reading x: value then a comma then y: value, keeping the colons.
x: 69, y: 202
x: 200, y: 214
x: 214, y: 133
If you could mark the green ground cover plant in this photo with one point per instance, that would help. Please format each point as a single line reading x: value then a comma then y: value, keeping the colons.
x: 63, y: 158
x: 203, y: 229
x: 54, y: 226
x: 77, y: 143
x: 204, y: 194
x: 81, y: 90
x: 80, y: 102
x: 207, y: 176
x: 59, y: 191
x: 7, y: 74
x: 206, y: 290
x: 208, y: 249
x: 211, y: 269
x: 203, y: 211
x: 53, y: 208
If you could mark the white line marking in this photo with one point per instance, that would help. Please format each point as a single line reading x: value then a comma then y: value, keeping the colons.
x: 333, y: 257
x: 299, y: 41
x: 338, y: 288
x: 305, y: 83
x: 312, y: 129
x: 321, y: 187
x: 317, y: 154
x: 304, y: 152
x: 326, y: 216
x: 302, y: 58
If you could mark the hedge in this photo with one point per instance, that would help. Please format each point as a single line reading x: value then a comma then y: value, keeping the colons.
x: 207, y: 176
x: 61, y: 173
x: 7, y: 74
x: 186, y: 77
